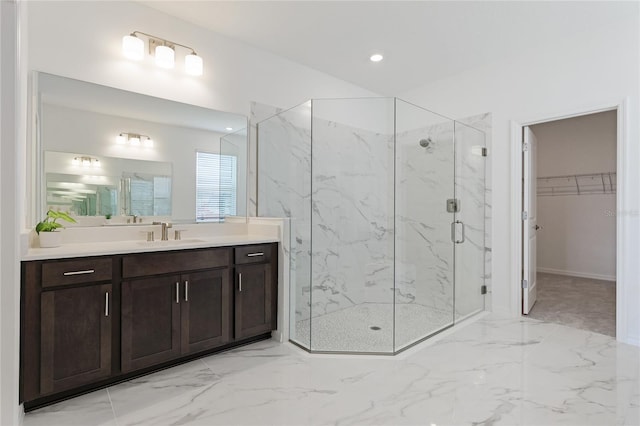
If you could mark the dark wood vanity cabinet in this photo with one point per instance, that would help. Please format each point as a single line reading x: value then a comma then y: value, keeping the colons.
x: 255, y: 304
x: 66, y: 325
x: 90, y: 322
x: 150, y: 322
x: 164, y: 318
x: 75, y: 339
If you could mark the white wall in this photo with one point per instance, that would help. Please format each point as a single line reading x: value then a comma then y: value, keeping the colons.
x: 10, y: 191
x: 82, y: 40
x: 600, y: 67
x: 578, y: 235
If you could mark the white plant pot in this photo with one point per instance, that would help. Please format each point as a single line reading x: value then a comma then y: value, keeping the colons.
x: 50, y: 239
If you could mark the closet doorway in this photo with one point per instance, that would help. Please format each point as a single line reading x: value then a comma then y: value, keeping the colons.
x: 569, y: 221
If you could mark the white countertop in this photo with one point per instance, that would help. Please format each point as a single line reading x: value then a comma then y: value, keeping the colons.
x: 68, y: 250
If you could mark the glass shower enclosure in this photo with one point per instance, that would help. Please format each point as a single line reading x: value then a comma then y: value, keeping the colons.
x: 386, y: 207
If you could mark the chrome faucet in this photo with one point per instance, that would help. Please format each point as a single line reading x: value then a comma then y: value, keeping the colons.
x: 165, y: 229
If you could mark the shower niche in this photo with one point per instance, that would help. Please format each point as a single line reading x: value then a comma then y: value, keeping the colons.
x: 379, y: 261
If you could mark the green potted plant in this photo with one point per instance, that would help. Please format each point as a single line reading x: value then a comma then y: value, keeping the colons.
x: 46, y: 229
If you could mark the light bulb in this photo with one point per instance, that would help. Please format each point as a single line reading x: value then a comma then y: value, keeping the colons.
x: 148, y: 142
x: 228, y: 129
x: 133, y: 47
x: 120, y: 139
x: 193, y: 64
x: 165, y: 57
x: 376, y: 58
x: 134, y: 140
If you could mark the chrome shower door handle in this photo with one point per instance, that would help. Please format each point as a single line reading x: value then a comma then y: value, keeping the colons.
x: 453, y: 232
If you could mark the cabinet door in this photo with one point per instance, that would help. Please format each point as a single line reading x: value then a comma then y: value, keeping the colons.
x: 75, y: 338
x: 150, y: 322
x: 205, y: 310
x: 252, y: 300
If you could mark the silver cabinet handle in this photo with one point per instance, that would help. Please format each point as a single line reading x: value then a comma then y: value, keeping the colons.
x: 186, y: 291
x: 240, y: 282
x: 106, y: 304
x: 255, y: 254
x: 177, y: 292
x: 87, y: 271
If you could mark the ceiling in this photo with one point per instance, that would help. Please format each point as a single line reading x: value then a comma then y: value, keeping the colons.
x: 421, y: 41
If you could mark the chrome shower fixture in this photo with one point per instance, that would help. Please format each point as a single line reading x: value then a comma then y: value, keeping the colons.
x: 425, y: 143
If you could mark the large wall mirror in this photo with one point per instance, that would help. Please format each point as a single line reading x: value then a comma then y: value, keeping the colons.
x: 110, y: 156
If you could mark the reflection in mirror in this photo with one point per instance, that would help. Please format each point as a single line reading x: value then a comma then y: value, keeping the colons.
x: 147, y: 151
x: 107, y: 186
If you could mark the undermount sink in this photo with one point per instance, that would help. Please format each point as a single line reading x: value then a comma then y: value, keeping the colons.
x: 160, y: 243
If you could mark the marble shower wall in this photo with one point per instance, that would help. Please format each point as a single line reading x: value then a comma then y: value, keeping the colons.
x: 424, y: 251
x: 348, y: 223
x: 352, y: 205
x: 284, y: 190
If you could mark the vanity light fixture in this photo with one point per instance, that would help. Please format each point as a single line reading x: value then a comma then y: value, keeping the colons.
x: 163, y: 50
x: 86, y: 162
x: 134, y: 139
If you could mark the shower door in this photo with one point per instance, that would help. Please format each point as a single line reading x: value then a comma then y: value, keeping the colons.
x: 424, y: 251
x: 469, y: 221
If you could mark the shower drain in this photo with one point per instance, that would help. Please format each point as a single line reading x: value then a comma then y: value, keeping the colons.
x: 375, y: 327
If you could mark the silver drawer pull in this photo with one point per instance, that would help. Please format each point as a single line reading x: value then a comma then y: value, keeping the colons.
x: 106, y: 304
x: 177, y: 292
x: 88, y: 271
x: 186, y: 291
x: 239, y: 282
x: 255, y: 254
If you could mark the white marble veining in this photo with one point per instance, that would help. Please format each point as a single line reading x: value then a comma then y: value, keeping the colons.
x: 367, y: 208
x: 493, y: 371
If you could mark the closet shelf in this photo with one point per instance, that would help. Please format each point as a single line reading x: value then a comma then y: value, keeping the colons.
x: 586, y: 184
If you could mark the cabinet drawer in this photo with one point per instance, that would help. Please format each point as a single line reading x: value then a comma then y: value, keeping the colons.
x: 138, y: 265
x: 66, y: 272
x: 253, y: 254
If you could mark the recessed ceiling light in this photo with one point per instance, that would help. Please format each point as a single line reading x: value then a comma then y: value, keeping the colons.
x: 228, y: 129
x: 376, y: 58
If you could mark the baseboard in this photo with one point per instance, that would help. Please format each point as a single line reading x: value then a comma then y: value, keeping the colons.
x: 631, y: 341
x: 577, y: 274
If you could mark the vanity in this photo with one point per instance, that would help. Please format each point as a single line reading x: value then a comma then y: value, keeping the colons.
x: 88, y: 322
x: 113, y: 302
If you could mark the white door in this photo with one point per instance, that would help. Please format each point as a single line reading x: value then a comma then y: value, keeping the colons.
x: 529, y: 222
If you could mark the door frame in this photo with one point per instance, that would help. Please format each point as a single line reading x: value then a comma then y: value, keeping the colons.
x: 623, y: 198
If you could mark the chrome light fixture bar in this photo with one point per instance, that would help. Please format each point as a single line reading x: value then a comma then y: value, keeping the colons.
x: 134, y: 139
x: 163, y: 50
x: 86, y: 162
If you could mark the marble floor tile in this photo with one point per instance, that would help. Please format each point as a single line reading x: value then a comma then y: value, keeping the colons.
x: 491, y: 371
x: 91, y: 409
